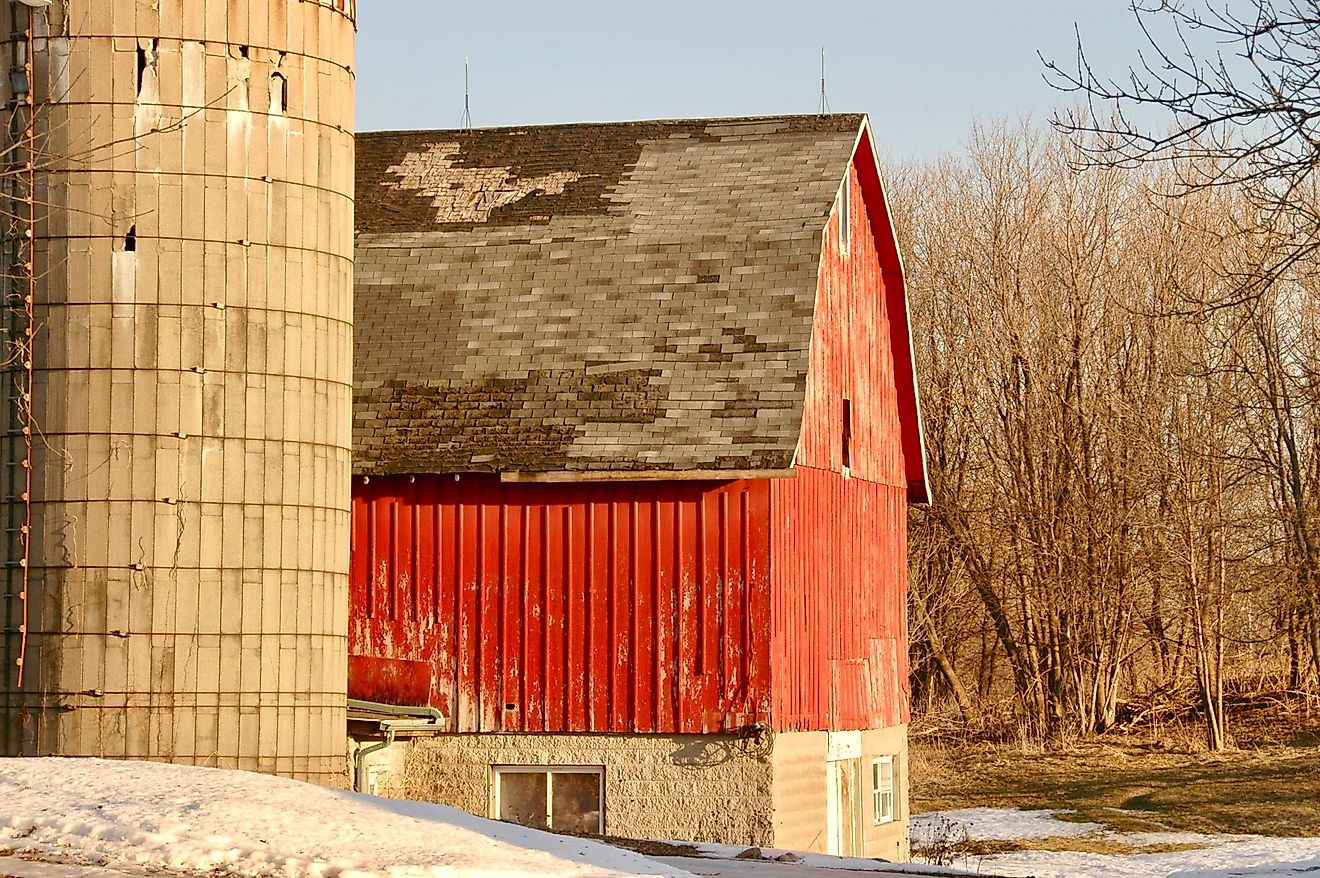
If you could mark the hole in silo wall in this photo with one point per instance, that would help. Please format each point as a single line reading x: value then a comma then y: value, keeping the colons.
x: 146, y: 61
x: 279, y: 93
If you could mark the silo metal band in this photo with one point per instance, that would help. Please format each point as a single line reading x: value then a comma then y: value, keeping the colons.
x: 347, y: 7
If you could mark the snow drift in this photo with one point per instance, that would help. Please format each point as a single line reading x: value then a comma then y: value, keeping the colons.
x: 238, y: 823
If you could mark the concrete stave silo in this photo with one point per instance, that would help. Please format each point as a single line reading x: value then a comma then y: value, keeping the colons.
x: 190, y: 189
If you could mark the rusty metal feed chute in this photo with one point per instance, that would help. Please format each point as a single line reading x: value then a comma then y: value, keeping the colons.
x: 174, y: 453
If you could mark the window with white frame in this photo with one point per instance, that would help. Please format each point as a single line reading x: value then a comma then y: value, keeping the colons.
x: 882, y: 788
x: 565, y: 798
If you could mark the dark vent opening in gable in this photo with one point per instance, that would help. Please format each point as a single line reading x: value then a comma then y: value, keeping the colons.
x: 847, y: 434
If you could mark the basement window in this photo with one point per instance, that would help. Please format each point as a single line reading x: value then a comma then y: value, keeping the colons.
x: 882, y: 789
x: 565, y: 798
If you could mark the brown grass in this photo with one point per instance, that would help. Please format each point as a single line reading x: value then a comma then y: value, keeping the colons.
x: 1129, y: 786
x: 1105, y: 845
x: 648, y: 847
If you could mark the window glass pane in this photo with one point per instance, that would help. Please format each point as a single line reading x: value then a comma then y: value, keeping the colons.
x: 575, y: 801
x: 882, y: 788
x: 522, y: 798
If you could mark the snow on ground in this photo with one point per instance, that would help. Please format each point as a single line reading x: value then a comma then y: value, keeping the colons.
x: 97, y: 819
x: 804, y: 863
x: 818, y: 867
x: 1225, y: 856
x: 1218, y: 856
x: 127, y: 814
x: 14, y: 867
x: 995, y: 824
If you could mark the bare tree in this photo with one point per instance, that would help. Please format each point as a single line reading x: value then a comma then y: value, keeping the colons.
x: 1128, y: 488
x: 1232, y: 87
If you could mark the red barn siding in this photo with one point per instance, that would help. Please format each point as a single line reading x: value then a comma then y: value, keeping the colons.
x: 852, y: 357
x: 670, y: 607
x: 840, y: 603
x: 610, y: 607
x: 839, y: 550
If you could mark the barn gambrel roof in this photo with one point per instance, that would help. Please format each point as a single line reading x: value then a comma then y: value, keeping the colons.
x: 619, y: 297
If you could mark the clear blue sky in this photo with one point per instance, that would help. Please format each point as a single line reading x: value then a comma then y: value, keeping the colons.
x: 923, y: 69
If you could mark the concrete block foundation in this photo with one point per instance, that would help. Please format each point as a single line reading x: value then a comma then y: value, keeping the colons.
x: 703, y: 788
x: 776, y: 791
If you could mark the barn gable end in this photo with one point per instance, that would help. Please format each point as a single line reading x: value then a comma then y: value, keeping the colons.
x: 839, y: 562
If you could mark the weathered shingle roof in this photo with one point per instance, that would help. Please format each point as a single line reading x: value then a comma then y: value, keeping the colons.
x: 630, y: 296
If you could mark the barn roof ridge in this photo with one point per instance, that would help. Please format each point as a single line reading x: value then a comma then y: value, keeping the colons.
x: 851, y: 120
x: 591, y: 297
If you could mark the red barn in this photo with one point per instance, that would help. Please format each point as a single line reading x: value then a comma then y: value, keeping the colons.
x: 635, y: 431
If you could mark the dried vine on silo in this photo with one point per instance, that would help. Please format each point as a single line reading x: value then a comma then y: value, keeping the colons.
x: 19, y: 280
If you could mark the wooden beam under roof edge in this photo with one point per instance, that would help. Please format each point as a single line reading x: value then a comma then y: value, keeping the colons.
x: 649, y: 475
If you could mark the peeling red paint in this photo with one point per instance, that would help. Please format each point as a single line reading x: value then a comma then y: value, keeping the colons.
x: 628, y: 607
x: 839, y: 542
x: 670, y: 607
x: 840, y: 598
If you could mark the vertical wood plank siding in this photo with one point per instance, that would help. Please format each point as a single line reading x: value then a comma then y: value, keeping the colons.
x: 840, y: 601
x: 839, y: 545
x: 611, y: 607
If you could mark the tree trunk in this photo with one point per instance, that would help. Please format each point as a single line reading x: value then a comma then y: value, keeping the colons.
x: 970, y: 714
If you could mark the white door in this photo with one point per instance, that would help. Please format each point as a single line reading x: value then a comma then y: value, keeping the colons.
x: 843, y: 828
